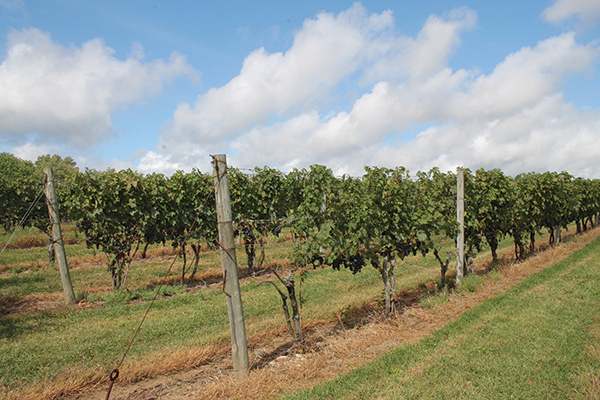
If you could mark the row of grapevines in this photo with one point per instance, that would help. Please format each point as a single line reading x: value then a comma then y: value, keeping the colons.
x: 259, y: 206
x: 120, y: 210
x: 375, y: 219
x: 385, y: 215
x: 497, y: 205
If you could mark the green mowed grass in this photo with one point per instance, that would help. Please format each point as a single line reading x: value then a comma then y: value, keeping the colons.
x: 538, y: 340
x: 37, y: 347
x: 44, y: 346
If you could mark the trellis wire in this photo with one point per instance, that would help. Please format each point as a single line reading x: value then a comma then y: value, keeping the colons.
x: 114, y: 374
x: 22, y: 221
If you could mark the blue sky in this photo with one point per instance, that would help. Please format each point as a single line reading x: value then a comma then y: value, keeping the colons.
x: 159, y: 85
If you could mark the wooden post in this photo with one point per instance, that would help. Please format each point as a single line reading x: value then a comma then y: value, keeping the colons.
x: 460, y: 216
x: 230, y: 269
x: 57, y: 240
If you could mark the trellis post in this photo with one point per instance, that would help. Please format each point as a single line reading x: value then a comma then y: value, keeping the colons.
x: 57, y: 240
x: 230, y: 270
x: 460, y: 216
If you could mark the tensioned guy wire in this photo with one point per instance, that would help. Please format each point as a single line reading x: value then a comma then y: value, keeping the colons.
x: 114, y: 374
x: 22, y: 221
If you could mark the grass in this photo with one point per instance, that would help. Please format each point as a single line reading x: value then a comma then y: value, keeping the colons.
x: 470, y: 283
x: 537, y: 340
x: 434, y: 300
x: 88, y: 342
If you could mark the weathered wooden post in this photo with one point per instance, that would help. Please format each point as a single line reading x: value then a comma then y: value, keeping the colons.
x: 57, y: 240
x: 460, y: 216
x: 230, y: 270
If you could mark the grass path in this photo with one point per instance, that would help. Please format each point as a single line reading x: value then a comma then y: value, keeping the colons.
x: 538, y: 340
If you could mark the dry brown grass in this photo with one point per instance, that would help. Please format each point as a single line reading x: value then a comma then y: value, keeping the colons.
x: 332, y: 348
x: 87, y: 261
x: 159, y: 252
x: 31, y: 303
x: 28, y: 241
x: 32, y: 240
x: 31, y: 265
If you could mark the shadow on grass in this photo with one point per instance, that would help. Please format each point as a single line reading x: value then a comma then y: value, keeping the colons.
x: 21, y: 280
x: 10, y: 327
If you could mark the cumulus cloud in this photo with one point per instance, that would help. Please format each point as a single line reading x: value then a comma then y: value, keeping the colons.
x: 152, y: 162
x: 325, y: 51
x: 549, y: 135
x: 273, y: 112
x: 587, y: 11
x: 31, y: 151
x: 68, y: 94
x: 424, y: 55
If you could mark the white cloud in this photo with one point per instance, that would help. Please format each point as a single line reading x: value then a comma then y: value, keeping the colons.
x: 152, y: 161
x: 31, y: 151
x: 587, y: 11
x: 68, y: 94
x: 425, y: 55
x: 524, y: 78
x: 325, y: 51
x: 274, y: 112
x: 548, y: 136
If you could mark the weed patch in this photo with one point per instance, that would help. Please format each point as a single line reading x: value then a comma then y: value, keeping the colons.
x: 434, y: 300
x: 470, y: 283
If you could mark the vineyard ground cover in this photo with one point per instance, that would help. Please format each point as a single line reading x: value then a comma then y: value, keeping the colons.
x: 90, y: 338
x: 539, y: 339
x: 28, y: 247
x: 337, y: 351
x: 34, y: 338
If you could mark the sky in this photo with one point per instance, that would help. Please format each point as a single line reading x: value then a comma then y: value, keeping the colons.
x: 159, y: 86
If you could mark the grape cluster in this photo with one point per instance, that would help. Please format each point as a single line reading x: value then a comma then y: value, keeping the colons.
x: 355, y: 263
x: 409, y: 248
x: 90, y: 240
x: 122, y: 248
x: 106, y: 241
x: 489, y: 233
x: 247, y: 231
x: 154, y: 235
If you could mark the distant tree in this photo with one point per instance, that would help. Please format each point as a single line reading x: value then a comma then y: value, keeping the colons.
x: 19, y: 186
x: 65, y: 169
x: 14, y: 168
